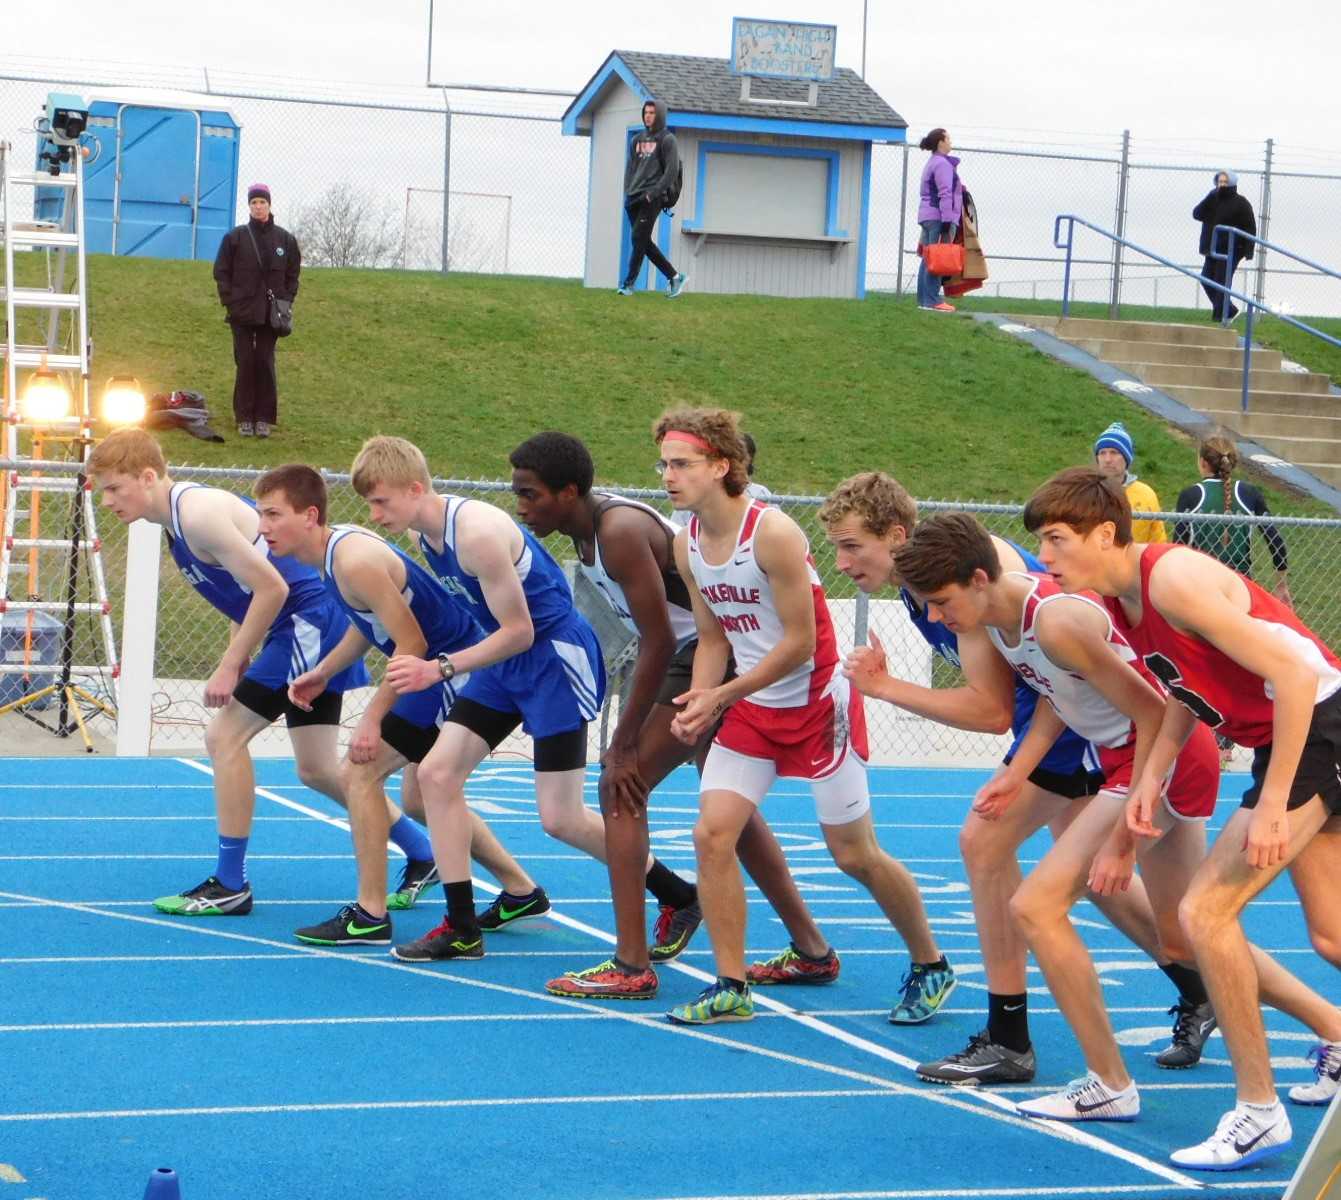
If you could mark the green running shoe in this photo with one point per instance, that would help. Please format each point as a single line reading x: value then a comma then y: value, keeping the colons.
x: 925, y: 988
x: 719, y: 1002
x: 508, y: 910
x: 208, y: 899
x: 349, y: 927
x: 415, y: 879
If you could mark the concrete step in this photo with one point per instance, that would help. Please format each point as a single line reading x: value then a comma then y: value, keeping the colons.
x: 1160, y: 374
x: 1301, y: 450
x: 1327, y: 472
x: 1258, y: 425
x: 1070, y: 328
x: 1119, y: 352
x: 1299, y: 404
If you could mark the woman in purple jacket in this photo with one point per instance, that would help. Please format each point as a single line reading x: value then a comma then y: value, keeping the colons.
x: 939, y: 212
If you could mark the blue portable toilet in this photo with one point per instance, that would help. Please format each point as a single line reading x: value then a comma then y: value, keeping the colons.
x: 163, y: 176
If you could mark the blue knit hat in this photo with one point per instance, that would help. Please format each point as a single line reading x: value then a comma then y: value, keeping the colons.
x: 1116, y: 437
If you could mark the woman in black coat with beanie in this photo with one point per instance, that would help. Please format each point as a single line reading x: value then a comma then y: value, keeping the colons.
x: 1224, y: 206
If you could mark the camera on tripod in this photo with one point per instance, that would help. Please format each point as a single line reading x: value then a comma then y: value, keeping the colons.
x: 62, y: 124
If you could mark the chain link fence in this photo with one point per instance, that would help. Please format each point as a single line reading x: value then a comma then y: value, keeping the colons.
x: 191, y: 635
x: 367, y: 177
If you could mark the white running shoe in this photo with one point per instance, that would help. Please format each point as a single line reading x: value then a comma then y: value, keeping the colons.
x: 1328, y: 1072
x: 1245, y: 1135
x: 1087, y: 1099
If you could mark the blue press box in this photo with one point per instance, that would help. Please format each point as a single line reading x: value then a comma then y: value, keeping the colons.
x: 44, y: 650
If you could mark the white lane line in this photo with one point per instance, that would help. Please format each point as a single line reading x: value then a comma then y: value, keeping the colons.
x: 1116, y: 1189
x: 400, y: 1105
x: 1001, y: 1110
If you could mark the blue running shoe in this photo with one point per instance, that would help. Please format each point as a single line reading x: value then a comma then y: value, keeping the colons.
x: 719, y: 1002
x: 925, y: 988
x: 623, y: 290
x: 677, y: 285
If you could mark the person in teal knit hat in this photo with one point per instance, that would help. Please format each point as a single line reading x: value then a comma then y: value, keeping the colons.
x: 1113, y: 454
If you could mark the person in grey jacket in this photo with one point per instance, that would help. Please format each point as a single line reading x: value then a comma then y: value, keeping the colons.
x: 649, y: 175
x: 254, y: 260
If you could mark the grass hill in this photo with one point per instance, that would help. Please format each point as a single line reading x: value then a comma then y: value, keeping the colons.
x: 468, y: 366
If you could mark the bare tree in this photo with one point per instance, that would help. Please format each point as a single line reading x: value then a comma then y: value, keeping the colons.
x: 347, y: 227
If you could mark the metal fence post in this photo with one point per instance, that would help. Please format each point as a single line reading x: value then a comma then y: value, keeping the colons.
x: 446, y: 180
x: 1263, y: 224
x: 1119, y: 225
x: 903, y: 219
x: 861, y: 619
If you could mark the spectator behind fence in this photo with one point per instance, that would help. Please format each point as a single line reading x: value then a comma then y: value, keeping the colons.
x: 939, y: 212
x: 1113, y: 454
x: 254, y: 260
x: 1218, y: 492
x: 650, y: 178
x: 1224, y: 206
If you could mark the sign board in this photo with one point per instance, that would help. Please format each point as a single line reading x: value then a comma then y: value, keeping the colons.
x: 782, y: 49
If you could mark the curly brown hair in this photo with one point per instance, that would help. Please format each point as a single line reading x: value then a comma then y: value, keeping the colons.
x: 721, y: 430
x: 880, y: 500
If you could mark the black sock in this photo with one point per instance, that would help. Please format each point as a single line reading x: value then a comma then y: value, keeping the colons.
x: 1188, y: 982
x: 668, y: 887
x: 367, y: 918
x: 461, y: 906
x: 1008, y: 1020
x: 726, y: 981
x: 939, y: 965
x: 828, y: 954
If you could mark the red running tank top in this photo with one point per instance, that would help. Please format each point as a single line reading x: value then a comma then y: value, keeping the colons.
x: 1216, y: 689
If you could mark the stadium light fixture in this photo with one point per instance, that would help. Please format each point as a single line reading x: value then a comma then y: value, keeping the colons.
x: 45, y: 399
x: 123, y: 401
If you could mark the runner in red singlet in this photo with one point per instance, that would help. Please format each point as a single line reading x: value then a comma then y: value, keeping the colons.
x: 1241, y: 662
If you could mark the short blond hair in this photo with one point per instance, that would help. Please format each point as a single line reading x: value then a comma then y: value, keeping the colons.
x: 880, y: 500
x: 127, y: 452
x: 389, y: 460
x: 720, y: 430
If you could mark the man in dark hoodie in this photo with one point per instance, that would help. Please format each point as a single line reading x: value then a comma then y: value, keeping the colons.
x: 1224, y: 206
x: 254, y: 260
x: 649, y: 176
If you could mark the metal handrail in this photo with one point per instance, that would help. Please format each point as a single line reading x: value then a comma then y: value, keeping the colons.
x: 1251, y: 306
x: 1224, y: 256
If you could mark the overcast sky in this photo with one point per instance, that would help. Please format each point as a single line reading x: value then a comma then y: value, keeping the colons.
x: 1180, y: 75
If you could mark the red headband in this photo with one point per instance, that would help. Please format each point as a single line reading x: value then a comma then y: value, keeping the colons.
x: 692, y: 438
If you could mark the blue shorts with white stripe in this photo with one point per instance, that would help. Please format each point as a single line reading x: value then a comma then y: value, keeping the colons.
x: 556, y: 686
x: 297, y: 643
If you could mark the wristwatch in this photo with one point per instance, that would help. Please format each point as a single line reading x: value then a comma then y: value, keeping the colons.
x: 447, y: 668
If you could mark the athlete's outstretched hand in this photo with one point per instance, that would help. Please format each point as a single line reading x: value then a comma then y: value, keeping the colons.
x: 1141, y: 801
x: 621, y: 788
x: 220, y: 686
x: 1267, y: 837
x: 407, y: 673
x: 701, y: 710
x: 867, y: 667
x: 307, y: 687
x: 994, y: 797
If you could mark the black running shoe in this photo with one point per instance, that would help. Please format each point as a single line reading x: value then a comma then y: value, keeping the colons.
x: 208, y: 899
x: 349, y: 927
x: 983, y: 1061
x: 674, y: 928
x: 508, y: 910
x: 439, y: 944
x: 416, y: 878
x: 1192, y: 1025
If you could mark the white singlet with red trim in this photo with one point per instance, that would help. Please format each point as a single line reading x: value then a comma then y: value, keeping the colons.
x: 1079, y: 703
x: 739, y: 595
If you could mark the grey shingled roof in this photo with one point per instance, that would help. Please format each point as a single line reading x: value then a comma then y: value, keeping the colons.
x: 691, y: 84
